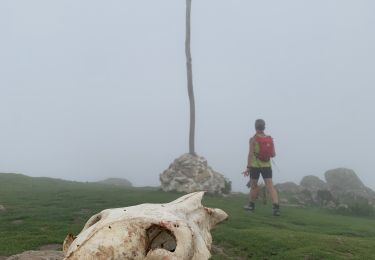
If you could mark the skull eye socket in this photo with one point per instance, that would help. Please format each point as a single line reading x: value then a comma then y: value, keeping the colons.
x: 159, y: 237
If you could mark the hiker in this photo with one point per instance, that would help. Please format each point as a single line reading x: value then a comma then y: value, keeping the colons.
x: 261, y: 150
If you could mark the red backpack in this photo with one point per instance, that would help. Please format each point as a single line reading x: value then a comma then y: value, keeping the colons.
x: 266, y: 148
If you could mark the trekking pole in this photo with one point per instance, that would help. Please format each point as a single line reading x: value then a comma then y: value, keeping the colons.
x: 275, y: 164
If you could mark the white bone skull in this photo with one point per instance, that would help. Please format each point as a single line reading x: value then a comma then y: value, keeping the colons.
x: 173, y: 231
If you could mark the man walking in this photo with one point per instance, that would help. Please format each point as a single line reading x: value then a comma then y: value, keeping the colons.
x: 261, y: 150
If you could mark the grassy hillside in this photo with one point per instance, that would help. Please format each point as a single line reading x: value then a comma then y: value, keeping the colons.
x: 42, y: 211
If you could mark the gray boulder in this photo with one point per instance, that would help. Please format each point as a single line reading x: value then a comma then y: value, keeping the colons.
x: 313, y: 183
x: 289, y: 187
x: 190, y: 173
x: 343, y: 181
x: 342, y: 190
x: 350, y: 190
x: 317, y: 191
x: 324, y: 198
x: 294, y: 193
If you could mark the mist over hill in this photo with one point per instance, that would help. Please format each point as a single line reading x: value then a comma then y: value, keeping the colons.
x: 117, y: 182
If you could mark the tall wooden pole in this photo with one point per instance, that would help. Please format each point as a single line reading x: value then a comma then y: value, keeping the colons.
x: 190, y: 79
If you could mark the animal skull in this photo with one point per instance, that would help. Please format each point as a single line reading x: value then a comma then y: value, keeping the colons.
x: 174, y: 231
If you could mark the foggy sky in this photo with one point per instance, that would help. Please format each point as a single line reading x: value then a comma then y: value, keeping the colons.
x: 94, y: 89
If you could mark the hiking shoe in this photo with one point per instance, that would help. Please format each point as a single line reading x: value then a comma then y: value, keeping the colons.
x: 276, y: 210
x: 250, y: 206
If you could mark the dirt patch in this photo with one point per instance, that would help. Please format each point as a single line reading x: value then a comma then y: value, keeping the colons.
x: 85, y: 211
x: 38, y: 255
x: 17, y: 222
x: 51, y: 247
x: 43, y: 229
x: 219, y: 251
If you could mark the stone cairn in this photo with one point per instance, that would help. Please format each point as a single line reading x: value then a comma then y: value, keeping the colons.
x: 190, y: 173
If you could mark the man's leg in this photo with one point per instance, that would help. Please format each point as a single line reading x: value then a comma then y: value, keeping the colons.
x: 252, y: 194
x: 254, y: 177
x: 275, y: 198
x: 253, y: 190
x: 271, y: 190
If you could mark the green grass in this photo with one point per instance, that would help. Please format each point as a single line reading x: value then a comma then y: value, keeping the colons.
x: 43, y: 211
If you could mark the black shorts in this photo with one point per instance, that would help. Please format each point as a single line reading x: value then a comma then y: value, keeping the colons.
x: 265, y: 171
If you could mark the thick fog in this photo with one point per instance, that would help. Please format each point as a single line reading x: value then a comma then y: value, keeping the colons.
x: 94, y: 89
